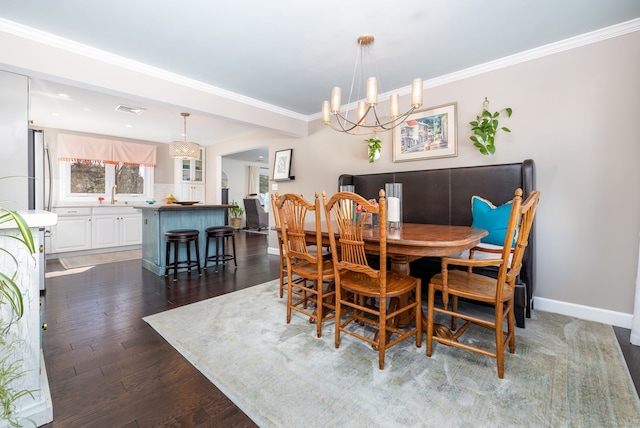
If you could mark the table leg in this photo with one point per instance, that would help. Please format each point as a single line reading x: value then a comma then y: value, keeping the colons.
x: 400, y: 264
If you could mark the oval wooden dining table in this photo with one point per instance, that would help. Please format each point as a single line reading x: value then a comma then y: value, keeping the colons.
x: 410, y: 242
x: 413, y: 240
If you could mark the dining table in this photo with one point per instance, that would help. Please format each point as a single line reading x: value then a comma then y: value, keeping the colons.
x: 411, y: 241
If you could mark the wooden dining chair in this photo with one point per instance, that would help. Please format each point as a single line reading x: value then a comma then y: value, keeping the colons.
x: 357, y: 283
x: 497, y: 292
x: 283, y: 259
x: 307, y: 269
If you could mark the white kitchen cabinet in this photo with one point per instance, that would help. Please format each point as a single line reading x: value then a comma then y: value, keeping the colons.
x: 130, y: 229
x: 86, y: 228
x: 191, y: 192
x: 190, y: 179
x: 115, y: 227
x: 73, y: 230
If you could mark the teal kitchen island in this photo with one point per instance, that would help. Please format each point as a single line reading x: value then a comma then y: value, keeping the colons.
x: 158, y: 219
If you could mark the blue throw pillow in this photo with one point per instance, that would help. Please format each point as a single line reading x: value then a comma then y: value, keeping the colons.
x: 493, y: 219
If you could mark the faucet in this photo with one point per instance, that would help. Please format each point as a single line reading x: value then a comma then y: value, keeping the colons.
x: 113, y: 194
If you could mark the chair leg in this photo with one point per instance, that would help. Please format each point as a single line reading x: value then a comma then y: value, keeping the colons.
x: 218, y: 242
x: 289, y: 299
x: 319, y: 307
x: 198, y: 256
x: 454, y: 308
x: 511, y: 329
x: 338, y: 317
x: 282, y: 264
x: 187, y: 244
x: 175, y: 261
x: 206, y: 252
x: 166, y: 258
x: 430, y: 315
x: 419, y: 313
x: 382, y: 333
x: 281, y: 281
x: 499, y: 311
x: 233, y: 243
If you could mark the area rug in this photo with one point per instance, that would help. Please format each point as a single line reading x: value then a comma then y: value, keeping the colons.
x: 98, y: 259
x: 565, y: 372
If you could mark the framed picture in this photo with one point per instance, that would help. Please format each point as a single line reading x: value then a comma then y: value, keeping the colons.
x: 426, y: 134
x: 282, y: 165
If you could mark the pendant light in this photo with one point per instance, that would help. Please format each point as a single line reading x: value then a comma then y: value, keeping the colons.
x: 184, y: 149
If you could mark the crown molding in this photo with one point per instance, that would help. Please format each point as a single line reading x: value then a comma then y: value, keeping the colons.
x: 529, y: 55
x: 71, y: 46
x: 536, y: 53
x: 100, y: 55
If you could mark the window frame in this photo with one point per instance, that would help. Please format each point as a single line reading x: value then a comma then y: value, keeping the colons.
x: 110, y: 171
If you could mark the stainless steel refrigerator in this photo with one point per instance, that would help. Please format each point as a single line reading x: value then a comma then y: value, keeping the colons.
x: 39, y: 189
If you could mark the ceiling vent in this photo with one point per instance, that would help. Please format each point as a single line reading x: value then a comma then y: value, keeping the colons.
x: 129, y: 109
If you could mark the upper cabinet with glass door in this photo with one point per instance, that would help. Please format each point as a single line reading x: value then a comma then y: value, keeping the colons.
x: 189, y: 179
x: 191, y: 171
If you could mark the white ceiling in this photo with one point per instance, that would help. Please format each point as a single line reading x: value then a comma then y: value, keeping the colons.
x: 284, y: 54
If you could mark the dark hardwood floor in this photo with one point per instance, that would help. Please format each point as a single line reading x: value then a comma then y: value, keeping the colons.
x: 108, y: 368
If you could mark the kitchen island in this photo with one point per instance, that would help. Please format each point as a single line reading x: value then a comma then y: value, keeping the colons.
x: 158, y: 219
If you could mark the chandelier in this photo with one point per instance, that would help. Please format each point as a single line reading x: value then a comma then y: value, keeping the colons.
x: 184, y: 149
x: 367, y: 119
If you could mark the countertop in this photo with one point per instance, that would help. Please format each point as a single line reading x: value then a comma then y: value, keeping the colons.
x: 173, y: 207
x: 34, y: 218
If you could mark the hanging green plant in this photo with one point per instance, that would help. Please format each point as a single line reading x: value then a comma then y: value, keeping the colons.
x: 374, y: 147
x: 485, y: 128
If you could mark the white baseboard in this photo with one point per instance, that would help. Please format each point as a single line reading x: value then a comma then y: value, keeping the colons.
x: 273, y: 251
x: 618, y: 319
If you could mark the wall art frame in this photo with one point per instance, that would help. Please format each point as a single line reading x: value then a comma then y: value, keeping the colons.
x: 427, y: 134
x: 282, y: 165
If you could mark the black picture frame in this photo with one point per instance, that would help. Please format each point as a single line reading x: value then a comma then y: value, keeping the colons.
x: 282, y: 164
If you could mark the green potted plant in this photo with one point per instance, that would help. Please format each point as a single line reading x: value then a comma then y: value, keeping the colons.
x: 236, y: 215
x: 11, y: 295
x: 485, y: 128
x: 374, y: 148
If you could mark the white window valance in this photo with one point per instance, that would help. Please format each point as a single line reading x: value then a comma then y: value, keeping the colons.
x: 76, y: 148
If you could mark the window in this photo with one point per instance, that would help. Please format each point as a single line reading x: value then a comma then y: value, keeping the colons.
x: 264, y: 180
x: 83, y: 181
x: 85, y: 177
x: 263, y: 194
x: 129, y: 179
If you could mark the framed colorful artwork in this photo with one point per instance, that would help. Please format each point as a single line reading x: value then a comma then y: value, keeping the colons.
x: 426, y: 134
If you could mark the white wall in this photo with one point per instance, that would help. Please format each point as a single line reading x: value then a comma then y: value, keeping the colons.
x: 576, y: 114
x: 14, y: 157
x: 238, y: 175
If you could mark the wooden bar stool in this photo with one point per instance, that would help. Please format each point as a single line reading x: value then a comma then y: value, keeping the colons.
x: 220, y: 235
x: 176, y: 237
